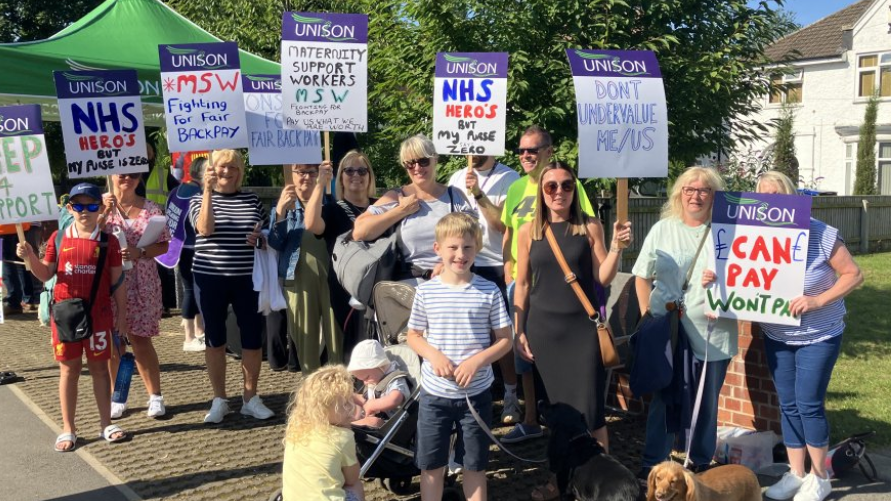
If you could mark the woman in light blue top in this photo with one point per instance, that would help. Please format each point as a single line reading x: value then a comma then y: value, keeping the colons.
x: 801, y: 358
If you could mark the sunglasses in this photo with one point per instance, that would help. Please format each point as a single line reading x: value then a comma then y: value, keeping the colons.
x: 129, y: 176
x: 550, y: 188
x: 529, y: 151
x: 422, y: 162
x: 356, y: 171
x: 88, y: 207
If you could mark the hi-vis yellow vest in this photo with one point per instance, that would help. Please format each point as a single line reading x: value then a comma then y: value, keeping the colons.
x: 156, y: 185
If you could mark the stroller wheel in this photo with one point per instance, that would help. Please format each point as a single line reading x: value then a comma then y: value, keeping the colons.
x: 277, y: 496
x: 398, y: 485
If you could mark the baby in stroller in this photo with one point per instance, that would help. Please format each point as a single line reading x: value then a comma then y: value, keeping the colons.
x: 386, y: 388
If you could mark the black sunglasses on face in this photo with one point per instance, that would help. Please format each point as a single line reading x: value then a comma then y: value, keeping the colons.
x: 356, y: 171
x: 88, y: 207
x: 530, y: 151
x: 567, y: 186
x: 130, y: 176
x: 423, y: 162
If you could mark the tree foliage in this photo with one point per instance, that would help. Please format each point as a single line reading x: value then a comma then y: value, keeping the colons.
x: 27, y: 20
x: 784, y: 159
x: 865, y: 179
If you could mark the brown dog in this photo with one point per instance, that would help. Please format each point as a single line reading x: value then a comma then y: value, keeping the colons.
x: 669, y: 481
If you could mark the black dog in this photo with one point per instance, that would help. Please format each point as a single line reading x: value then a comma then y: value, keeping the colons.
x: 583, y: 468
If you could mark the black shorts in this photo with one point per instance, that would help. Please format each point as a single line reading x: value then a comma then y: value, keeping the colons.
x: 215, y: 293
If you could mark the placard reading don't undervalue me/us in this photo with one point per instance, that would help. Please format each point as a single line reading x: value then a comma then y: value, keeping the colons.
x: 325, y: 71
x: 102, y: 126
x: 760, y: 255
x: 469, y: 103
x: 622, y: 119
x: 271, y: 143
x: 26, y: 184
x: 203, y: 101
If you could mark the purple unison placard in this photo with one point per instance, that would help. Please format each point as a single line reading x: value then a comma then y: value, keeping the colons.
x: 199, y: 57
x: 262, y: 83
x: 471, y: 65
x: 177, y: 211
x: 99, y: 83
x: 270, y: 142
x: 762, y: 209
x: 21, y: 120
x: 324, y: 27
x: 613, y: 63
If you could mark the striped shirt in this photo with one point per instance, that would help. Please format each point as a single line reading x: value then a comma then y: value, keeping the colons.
x: 828, y: 321
x: 457, y: 321
x: 226, y: 252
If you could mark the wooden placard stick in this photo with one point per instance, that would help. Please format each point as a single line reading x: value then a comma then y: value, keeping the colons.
x: 20, y: 231
x: 622, y: 205
x: 328, y: 157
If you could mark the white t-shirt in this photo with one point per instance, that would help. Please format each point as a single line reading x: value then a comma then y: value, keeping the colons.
x: 494, y: 183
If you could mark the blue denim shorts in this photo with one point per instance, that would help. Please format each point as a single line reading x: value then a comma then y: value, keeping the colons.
x: 521, y: 365
x: 437, y: 417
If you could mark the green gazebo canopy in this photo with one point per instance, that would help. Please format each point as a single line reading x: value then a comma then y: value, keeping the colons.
x: 118, y: 34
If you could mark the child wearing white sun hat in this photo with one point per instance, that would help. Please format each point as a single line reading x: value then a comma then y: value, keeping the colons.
x: 369, y: 364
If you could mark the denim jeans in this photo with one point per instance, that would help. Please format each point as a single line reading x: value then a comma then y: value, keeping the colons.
x: 801, y: 375
x: 705, y: 437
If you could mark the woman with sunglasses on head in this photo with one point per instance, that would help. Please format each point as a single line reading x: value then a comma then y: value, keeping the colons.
x: 417, y: 207
x: 668, y: 252
x: 553, y: 328
x: 303, y: 266
x: 354, y: 190
x: 128, y: 213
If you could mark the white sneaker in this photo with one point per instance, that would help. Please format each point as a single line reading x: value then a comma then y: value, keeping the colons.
x: 813, y: 488
x: 218, y: 409
x: 117, y: 410
x: 455, y: 468
x: 511, y: 412
x: 194, y: 345
x: 256, y: 409
x: 787, y: 487
x: 156, y: 406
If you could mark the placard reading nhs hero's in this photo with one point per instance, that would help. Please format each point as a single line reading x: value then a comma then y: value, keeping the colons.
x: 271, y: 143
x: 203, y: 101
x: 325, y: 71
x: 760, y: 255
x: 469, y: 103
x: 102, y: 126
x: 622, y: 119
x: 26, y: 184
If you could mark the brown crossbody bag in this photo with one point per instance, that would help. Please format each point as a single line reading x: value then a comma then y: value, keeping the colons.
x: 608, y: 352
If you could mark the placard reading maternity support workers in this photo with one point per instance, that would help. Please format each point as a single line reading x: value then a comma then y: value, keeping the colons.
x: 760, y: 255
x: 325, y: 71
x: 102, y: 126
x: 26, y: 185
x: 271, y: 143
x: 203, y: 100
x: 623, y: 123
x: 469, y: 103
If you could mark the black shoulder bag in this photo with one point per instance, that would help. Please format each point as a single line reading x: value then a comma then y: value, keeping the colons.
x: 72, y: 316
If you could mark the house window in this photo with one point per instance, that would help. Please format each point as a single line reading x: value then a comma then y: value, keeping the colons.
x: 786, y: 88
x: 874, y: 75
x: 850, y: 166
x: 884, y: 168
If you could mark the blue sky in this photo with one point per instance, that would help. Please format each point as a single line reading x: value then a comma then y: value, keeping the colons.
x: 808, y: 11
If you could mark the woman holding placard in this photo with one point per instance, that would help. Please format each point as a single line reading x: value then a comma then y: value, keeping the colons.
x: 417, y: 207
x: 129, y: 215
x: 675, y: 248
x: 801, y: 358
x: 354, y: 189
x: 227, y: 224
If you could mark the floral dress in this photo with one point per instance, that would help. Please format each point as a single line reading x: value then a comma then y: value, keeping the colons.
x: 142, y: 282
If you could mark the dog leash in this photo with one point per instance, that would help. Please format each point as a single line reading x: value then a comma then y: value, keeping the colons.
x: 485, y: 427
x: 698, y: 403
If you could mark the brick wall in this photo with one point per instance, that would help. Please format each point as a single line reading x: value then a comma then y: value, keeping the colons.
x: 748, y: 399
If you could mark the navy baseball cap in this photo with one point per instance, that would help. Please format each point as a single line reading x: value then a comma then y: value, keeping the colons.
x: 86, y: 189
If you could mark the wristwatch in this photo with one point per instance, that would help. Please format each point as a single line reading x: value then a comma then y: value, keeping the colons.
x: 481, y: 195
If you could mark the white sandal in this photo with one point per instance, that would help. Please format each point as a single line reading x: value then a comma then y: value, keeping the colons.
x: 110, y: 430
x: 66, y: 437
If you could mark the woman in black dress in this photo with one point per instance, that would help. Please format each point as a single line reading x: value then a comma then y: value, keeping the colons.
x: 354, y: 190
x: 553, y: 328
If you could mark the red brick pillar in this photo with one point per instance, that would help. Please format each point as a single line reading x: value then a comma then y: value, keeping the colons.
x: 749, y: 399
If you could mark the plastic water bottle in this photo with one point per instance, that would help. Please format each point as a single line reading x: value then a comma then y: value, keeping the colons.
x: 122, y: 382
x: 122, y: 239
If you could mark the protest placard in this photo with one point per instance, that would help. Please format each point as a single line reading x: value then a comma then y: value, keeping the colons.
x: 271, y: 143
x: 470, y: 103
x: 622, y: 119
x: 203, y: 101
x: 102, y: 124
x: 325, y: 71
x: 760, y: 255
x: 26, y: 184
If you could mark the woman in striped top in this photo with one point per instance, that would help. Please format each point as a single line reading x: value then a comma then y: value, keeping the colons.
x: 227, y: 223
x: 801, y: 358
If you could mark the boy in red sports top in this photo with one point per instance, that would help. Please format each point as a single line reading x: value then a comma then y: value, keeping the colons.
x: 75, y: 264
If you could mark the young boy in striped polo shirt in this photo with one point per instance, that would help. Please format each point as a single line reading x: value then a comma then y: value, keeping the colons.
x: 457, y: 311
